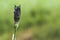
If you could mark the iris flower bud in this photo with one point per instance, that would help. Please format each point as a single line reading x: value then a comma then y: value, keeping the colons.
x: 17, y: 13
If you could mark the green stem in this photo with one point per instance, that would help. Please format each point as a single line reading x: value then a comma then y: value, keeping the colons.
x: 14, y: 33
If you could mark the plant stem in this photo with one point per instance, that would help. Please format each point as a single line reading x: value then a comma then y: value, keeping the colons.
x: 14, y: 33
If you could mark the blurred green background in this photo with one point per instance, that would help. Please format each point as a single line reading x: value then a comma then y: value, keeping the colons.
x: 41, y: 17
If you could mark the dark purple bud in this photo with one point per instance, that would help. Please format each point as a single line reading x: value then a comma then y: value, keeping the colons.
x: 17, y: 12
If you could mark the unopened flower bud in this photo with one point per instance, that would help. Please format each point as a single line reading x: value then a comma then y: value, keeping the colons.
x: 17, y: 13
